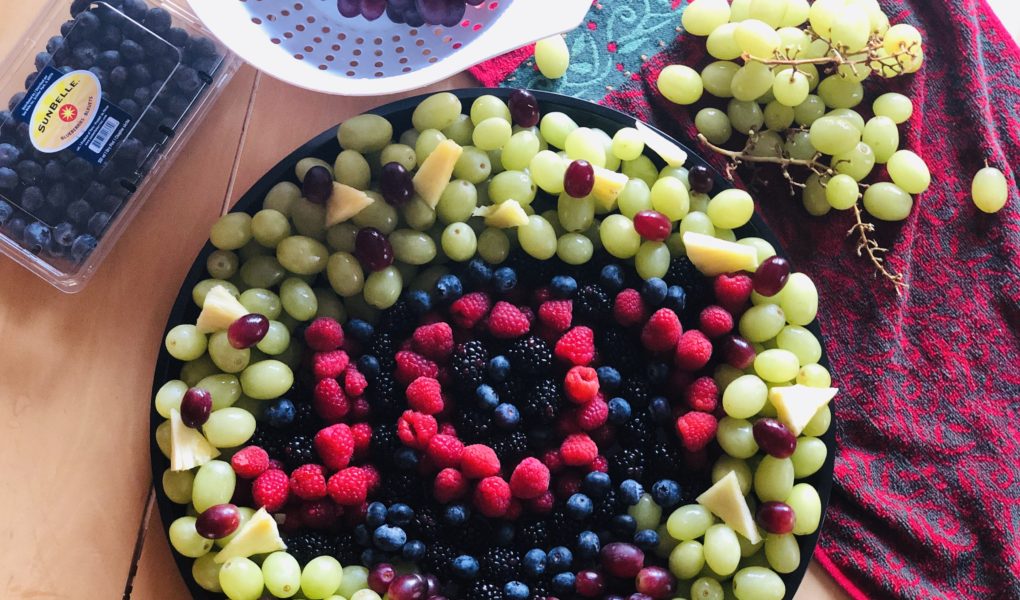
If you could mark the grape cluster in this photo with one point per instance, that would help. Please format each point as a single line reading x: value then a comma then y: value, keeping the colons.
x: 412, y: 12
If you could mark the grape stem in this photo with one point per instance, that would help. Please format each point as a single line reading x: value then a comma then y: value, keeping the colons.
x: 739, y: 157
x: 867, y: 245
x: 834, y: 57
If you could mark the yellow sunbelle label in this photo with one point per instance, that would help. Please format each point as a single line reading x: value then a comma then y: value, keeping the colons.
x: 64, y: 111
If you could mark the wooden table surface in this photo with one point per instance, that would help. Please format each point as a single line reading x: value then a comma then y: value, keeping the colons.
x: 75, y: 377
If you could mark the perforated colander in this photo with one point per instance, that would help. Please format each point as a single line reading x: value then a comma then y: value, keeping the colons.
x: 307, y: 42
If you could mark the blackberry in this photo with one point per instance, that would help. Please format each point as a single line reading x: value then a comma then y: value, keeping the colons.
x: 563, y: 529
x: 400, y: 487
x: 305, y: 419
x: 635, y: 391
x: 510, y: 447
x: 617, y: 350
x: 533, y: 535
x: 541, y: 405
x: 438, y: 557
x: 605, y: 510
x: 681, y: 272
x: 530, y: 270
x: 539, y: 590
x: 499, y: 565
x: 398, y: 319
x: 473, y: 425
x: 468, y: 364
x: 637, y: 431
x: 348, y: 551
x: 628, y: 463
x: 593, y: 303
x: 384, y: 443
x: 696, y: 286
x: 530, y: 355
x: 306, y: 546
x: 663, y: 459
x: 483, y: 590
x: 298, y: 450
x: 383, y: 396
x: 426, y: 523
x: 383, y: 347
x: 268, y: 439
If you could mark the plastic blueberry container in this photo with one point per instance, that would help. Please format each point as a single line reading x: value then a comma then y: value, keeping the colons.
x: 96, y: 100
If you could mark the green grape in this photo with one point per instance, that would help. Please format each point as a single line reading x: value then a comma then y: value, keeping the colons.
x: 575, y: 214
x: 680, y: 84
x: 365, y: 133
x: 714, y: 125
x: 459, y: 241
x: 767, y: 143
x: 229, y: 427
x: 838, y: 92
x: 627, y: 144
x: 214, y: 484
x: 329, y: 305
x: 909, y: 171
x: 405, y: 155
x: 493, y: 245
x: 791, y: 87
x: 537, y: 238
x: 679, y: 173
x: 745, y: 116
x: 222, y: 264
x: 224, y: 389
x: 762, y: 322
x: 725, y: 465
x: 555, y: 127
x: 670, y: 197
x: 730, y: 208
x: 809, y: 456
x: 547, y: 169
x: 185, y: 342
x: 856, y: 163
x: 231, y: 231
x: 345, y: 274
x: 584, y: 144
x: 850, y: 32
x: 751, y: 80
x: 488, y: 106
x: 820, y: 423
x: 756, y: 38
x: 266, y: 380
x: 793, y: 41
x: 646, y: 512
x: 382, y: 288
x: 699, y: 202
x: 177, y: 485
x: 897, y: 107
x: 261, y: 301
x: 365, y: 594
x: 851, y: 115
x: 989, y: 190
x: 418, y: 214
x: 619, y: 237
x: 309, y: 218
x: 689, y: 522
x: 512, y: 185
x: 518, y: 152
x: 641, y: 168
x: 740, y: 10
x: 807, y: 507
x: 822, y: 14
x: 842, y: 192
x: 305, y: 164
x: 298, y: 299
x: 834, y: 135
x: 225, y: 356
x: 814, y: 375
x: 194, y: 370
x: 888, y: 201
x: 717, y: 78
x: 281, y: 197
x: 552, y: 56
x: 769, y: 11
x: 721, y: 44
x: 745, y: 397
x: 355, y: 578
x: 437, y: 111
x: 206, y: 572
x: 253, y: 249
x: 409, y: 138
x: 491, y: 134
x: 186, y: 540
x: 277, y: 339
x: 634, y: 198
x: 799, y: 299
x: 282, y: 574
x: 162, y: 436
x: 652, y: 260
x: 302, y: 255
x: 813, y: 196
x: 473, y: 166
x: 351, y: 168
x: 736, y: 437
x: 707, y: 588
x: 758, y: 583
x: 777, y: 116
x: 241, y: 579
x: 764, y: 249
x: 341, y: 236
x: 776, y: 365
x: 697, y: 222
x: 262, y: 272
x: 801, y: 342
x: 725, y: 374
x: 773, y: 479
x: 782, y: 552
x: 798, y: 145
x: 687, y: 559
x: 321, y: 577
x: 413, y: 247
x: 809, y: 111
x: 902, y: 37
x: 427, y: 142
x: 722, y: 551
x: 702, y: 17
x: 884, y: 138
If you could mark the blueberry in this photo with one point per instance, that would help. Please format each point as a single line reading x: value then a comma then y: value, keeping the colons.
x: 176, y: 105
x: 579, y: 507
x: 563, y: 583
x: 53, y: 170
x: 465, y: 566
x: 588, y: 545
x: 130, y: 106
x: 98, y: 222
x: 389, y: 538
x: 54, y: 44
x: 158, y: 20
x: 478, y: 273
x: 369, y: 366
x: 533, y: 563
x: 619, y: 411
x: 111, y: 37
x: 623, y: 526
x: 16, y: 227
x: 64, y: 234
x: 563, y: 286
x: 9, y: 154
x: 504, y: 534
x: 8, y: 178
x: 84, y: 55
x: 630, y: 492
x: 596, y: 484
x: 405, y: 458
x: 142, y: 95
x: 660, y: 410
x: 370, y: 557
x: 135, y: 9
x: 666, y: 493
x: 56, y: 250
x: 42, y: 59
x: 6, y: 212
x: 487, y: 397
x: 139, y: 75
x: 95, y: 192
x: 653, y: 291
x: 32, y: 199
x: 88, y: 23
x: 449, y: 288
x: 676, y: 299
x: 375, y: 514
x: 657, y: 372
x: 108, y: 59
x: 612, y: 278
x: 609, y: 378
x: 80, y: 169
x: 456, y: 514
x: 118, y: 76
x: 504, y: 279
x: 177, y: 36
x: 559, y: 559
x: 201, y: 47
x: 280, y: 412
x: 29, y: 171
x: 499, y: 368
x: 30, y: 79
x: 362, y: 535
x: 15, y: 101
x: 37, y: 237
x: 516, y: 590
x: 419, y: 301
x: 400, y: 514
x: 132, y: 51
x: 413, y: 550
x: 646, y: 539
x: 360, y: 330
x: 78, y: 7
x: 57, y: 195
x: 79, y: 212
x: 507, y: 416
x: 83, y: 246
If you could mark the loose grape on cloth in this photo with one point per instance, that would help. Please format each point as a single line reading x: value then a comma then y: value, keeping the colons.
x: 926, y: 502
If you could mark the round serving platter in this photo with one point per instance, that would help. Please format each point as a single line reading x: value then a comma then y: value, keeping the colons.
x: 326, y: 147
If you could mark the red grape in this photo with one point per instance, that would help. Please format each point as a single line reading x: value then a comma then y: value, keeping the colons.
x: 656, y: 582
x: 395, y: 184
x: 774, y: 438
x: 372, y: 248
x: 524, y: 108
x: 247, y: 331
x: 218, y: 521
x: 579, y: 179
x: 408, y: 587
x: 700, y: 179
x: 380, y: 577
x: 372, y: 9
x: 738, y: 352
x: 622, y: 560
x: 776, y: 517
x: 590, y: 584
x: 317, y: 185
x: 652, y: 225
x: 771, y: 275
x: 195, y: 407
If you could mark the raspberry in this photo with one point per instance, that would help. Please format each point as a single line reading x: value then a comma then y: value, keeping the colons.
x: 335, y: 445
x: 578, y: 450
x: 733, y: 291
x: 581, y: 384
x: 416, y: 429
x: 469, y: 309
x: 270, y: 490
x: 275, y: 465
x: 556, y: 314
x: 702, y: 394
x: 513, y: 512
x: 693, y: 351
x: 318, y: 514
x: 506, y: 321
x: 330, y: 402
x: 360, y: 409
x: 354, y: 382
x: 553, y: 460
x: 696, y: 430
x: 447, y: 428
x: 362, y: 433
x: 492, y: 497
x: 329, y: 364
x: 715, y: 321
x: 593, y: 415
x: 372, y: 477
x: 567, y: 485
x: 542, y: 504
x: 445, y: 451
x: 411, y: 365
x: 425, y: 395
x: 349, y: 487
x: 250, y: 462
x: 576, y: 347
x: 433, y: 341
x: 530, y: 479
x: 629, y: 309
x: 662, y: 331
x: 450, y: 485
x: 324, y: 334
x: 479, y: 461
x: 600, y: 464
x: 308, y: 482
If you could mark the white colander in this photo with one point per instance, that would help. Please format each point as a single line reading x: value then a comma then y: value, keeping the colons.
x: 307, y: 43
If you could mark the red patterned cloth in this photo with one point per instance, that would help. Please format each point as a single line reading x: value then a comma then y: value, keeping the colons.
x: 926, y: 502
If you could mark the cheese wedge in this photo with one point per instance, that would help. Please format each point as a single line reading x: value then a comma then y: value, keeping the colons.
x: 259, y: 535
x: 219, y: 310
x: 674, y: 155
x: 508, y: 213
x: 797, y: 404
x: 713, y: 256
x: 435, y: 172
x: 726, y: 502
x: 344, y: 203
x: 608, y: 185
x: 188, y: 447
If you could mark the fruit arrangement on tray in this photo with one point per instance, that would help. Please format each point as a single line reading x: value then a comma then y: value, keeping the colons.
x: 500, y: 354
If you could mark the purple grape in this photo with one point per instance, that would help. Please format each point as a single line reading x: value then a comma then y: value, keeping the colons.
x: 433, y: 11
x: 774, y: 438
x: 524, y: 108
x: 579, y: 179
x: 317, y: 186
x: 396, y: 184
x: 700, y: 179
x: 373, y: 250
x: 372, y: 9
x: 454, y: 13
x: 776, y: 517
x: 349, y: 8
x: 771, y: 275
